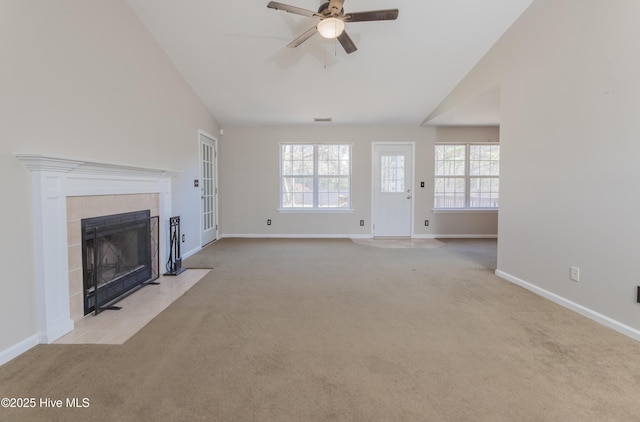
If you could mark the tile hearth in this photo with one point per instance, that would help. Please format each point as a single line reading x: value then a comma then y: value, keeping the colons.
x: 116, y: 327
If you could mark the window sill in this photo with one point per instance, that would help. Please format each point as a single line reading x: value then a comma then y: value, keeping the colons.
x: 465, y: 210
x: 315, y: 211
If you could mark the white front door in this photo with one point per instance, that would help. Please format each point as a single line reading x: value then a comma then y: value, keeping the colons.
x: 208, y: 189
x: 392, y: 189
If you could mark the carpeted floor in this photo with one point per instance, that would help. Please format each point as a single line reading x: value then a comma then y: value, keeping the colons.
x: 329, y: 330
x: 399, y: 243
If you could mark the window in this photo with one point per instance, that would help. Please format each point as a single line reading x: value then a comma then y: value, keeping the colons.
x: 467, y: 176
x: 315, y: 176
x: 392, y: 173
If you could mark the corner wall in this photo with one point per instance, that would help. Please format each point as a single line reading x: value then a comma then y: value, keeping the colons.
x: 84, y: 79
x: 570, y: 96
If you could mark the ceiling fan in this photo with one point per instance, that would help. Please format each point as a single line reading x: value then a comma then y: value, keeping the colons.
x: 332, y: 21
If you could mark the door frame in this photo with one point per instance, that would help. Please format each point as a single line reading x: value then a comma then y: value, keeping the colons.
x: 202, y: 133
x: 373, y: 182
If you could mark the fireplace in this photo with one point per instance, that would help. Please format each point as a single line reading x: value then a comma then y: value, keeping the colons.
x: 66, y: 190
x: 119, y: 256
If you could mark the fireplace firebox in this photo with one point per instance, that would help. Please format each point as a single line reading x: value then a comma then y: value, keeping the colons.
x: 119, y: 256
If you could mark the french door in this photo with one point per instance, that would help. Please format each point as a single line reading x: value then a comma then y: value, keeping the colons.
x: 208, y: 189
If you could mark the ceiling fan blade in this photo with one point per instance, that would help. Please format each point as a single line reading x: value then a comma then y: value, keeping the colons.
x: 347, y: 42
x: 302, y: 38
x: 372, y: 15
x: 293, y: 9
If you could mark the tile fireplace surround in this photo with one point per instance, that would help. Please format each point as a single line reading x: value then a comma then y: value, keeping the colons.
x: 81, y: 207
x: 64, y: 190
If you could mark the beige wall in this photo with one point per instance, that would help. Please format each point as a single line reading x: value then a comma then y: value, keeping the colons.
x: 249, y: 184
x: 84, y: 79
x: 570, y: 96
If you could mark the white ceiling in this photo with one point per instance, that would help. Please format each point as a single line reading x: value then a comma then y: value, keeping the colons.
x: 234, y: 55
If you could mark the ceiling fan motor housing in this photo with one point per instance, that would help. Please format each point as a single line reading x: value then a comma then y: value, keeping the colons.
x: 324, y: 9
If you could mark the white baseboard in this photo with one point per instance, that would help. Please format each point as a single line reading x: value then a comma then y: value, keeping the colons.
x: 191, y: 252
x: 356, y: 236
x: 455, y: 236
x: 298, y: 236
x: 582, y: 310
x: 18, y: 349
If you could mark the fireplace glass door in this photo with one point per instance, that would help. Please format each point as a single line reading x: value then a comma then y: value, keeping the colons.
x: 118, y: 252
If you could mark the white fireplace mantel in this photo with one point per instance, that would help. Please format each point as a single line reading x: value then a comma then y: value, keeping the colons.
x: 54, y: 179
x: 45, y: 162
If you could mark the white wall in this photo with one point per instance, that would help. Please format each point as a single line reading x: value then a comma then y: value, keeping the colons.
x: 249, y: 184
x: 84, y: 79
x: 570, y: 141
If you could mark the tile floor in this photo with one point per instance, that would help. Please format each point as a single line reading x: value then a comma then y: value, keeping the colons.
x: 116, y: 327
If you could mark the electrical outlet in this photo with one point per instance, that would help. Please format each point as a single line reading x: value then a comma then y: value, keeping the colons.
x: 269, y: 222
x: 575, y: 273
x: 183, y: 238
x: 362, y: 222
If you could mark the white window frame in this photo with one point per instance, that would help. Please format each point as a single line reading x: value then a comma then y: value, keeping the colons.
x: 316, y: 177
x: 467, y: 179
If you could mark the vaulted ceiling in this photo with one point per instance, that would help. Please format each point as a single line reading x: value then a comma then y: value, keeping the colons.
x: 234, y: 55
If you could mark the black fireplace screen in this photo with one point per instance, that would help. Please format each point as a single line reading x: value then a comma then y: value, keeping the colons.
x: 119, y: 255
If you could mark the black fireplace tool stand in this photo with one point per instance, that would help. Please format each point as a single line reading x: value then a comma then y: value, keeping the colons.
x: 174, y: 264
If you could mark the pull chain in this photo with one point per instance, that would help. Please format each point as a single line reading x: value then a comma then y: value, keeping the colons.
x: 324, y: 54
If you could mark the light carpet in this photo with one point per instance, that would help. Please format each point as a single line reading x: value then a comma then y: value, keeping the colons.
x: 327, y: 330
x: 399, y: 243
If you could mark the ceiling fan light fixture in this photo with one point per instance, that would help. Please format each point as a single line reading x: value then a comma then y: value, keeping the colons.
x: 331, y: 28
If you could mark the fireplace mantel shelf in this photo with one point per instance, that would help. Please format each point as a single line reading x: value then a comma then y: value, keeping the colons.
x: 46, y: 162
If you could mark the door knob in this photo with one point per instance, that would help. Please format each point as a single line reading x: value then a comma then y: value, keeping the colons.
x: 409, y: 197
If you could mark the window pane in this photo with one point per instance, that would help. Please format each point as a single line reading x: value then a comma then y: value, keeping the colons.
x: 450, y: 160
x: 297, y: 192
x: 450, y: 152
x: 484, y: 160
x: 483, y: 192
x: 392, y: 173
x: 459, y: 168
x: 333, y: 160
x: 333, y: 192
x: 449, y: 192
x: 287, y: 168
x: 344, y: 168
x: 297, y: 160
x: 495, y: 168
x: 302, y: 200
